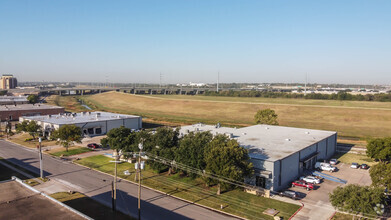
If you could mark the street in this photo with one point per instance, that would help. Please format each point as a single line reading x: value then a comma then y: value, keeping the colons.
x: 97, y: 185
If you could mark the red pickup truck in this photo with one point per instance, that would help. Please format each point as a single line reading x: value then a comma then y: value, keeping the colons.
x: 302, y: 183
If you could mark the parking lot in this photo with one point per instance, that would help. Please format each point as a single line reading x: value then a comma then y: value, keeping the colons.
x: 316, y: 202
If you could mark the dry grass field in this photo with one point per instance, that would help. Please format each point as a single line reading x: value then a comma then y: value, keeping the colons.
x: 353, y: 119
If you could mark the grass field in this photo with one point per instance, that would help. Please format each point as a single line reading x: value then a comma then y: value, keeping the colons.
x: 20, y: 139
x: 349, y: 118
x: 235, y: 201
x: 88, y: 206
x: 71, y: 151
x: 350, y: 158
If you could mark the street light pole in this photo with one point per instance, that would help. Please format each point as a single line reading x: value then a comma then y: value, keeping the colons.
x: 140, y: 146
x: 115, y: 183
x: 40, y: 157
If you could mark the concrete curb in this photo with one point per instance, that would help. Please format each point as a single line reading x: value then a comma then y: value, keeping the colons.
x: 302, y: 205
x: 190, y: 202
x: 52, y: 199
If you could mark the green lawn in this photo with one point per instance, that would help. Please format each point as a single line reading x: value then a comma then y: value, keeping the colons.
x: 88, y: 206
x: 72, y: 151
x: 236, y: 201
x: 349, y: 158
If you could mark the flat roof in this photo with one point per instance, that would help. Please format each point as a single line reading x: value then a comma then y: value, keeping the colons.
x: 27, y: 107
x: 13, y: 98
x: 267, y: 142
x: 18, y: 202
x: 82, y: 117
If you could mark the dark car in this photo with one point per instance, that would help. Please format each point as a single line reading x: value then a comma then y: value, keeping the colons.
x: 289, y: 193
x: 302, y: 183
x: 364, y: 166
x: 93, y: 146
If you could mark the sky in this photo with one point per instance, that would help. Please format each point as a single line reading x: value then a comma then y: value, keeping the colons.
x: 333, y: 41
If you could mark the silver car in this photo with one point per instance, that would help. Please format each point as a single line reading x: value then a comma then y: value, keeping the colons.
x: 310, y: 179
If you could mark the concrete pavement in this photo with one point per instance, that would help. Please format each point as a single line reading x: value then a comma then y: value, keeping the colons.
x: 98, y: 186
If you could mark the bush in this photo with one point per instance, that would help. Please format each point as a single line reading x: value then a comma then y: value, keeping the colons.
x: 28, y: 139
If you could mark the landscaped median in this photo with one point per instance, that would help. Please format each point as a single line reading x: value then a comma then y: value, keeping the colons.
x: 235, y: 201
x: 71, y: 151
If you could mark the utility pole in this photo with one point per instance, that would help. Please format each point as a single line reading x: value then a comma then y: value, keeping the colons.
x: 115, y: 183
x: 218, y: 78
x: 305, y: 85
x: 40, y: 157
x: 140, y: 146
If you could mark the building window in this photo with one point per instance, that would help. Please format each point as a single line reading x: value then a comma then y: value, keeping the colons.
x: 91, y: 131
x: 98, y: 130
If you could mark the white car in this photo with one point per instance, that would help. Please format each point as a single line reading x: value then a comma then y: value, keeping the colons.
x: 325, y: 167
x: 333, y: 161
x: 354, y: 166
x: 310, y: 179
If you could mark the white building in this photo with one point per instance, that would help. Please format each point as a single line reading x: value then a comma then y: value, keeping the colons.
x: 279, y: 154
x: 91, y: 123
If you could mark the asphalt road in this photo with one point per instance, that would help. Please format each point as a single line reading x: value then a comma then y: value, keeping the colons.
x: 96, y: 185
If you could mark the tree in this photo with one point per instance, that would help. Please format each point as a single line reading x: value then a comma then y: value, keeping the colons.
x: 266, y: 116
x: 33, y: 128
x: 22, y: 126
x: 32, y: 99
x: 67, y: 135
x: 225, y: 157
x: 117, y: 139
x: 355, y: 198
x: 381, y: 175
x: 165, y: 142
x: 379, y: 149
x: 191, y: 150
x: 3, y: 92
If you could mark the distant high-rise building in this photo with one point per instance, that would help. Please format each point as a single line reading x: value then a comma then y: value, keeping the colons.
x: 8, y: 81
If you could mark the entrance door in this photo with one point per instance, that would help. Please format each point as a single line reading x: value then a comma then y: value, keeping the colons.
x: 260, y: 181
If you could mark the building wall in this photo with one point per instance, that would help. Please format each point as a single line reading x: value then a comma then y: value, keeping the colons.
x: 91, y: 128
x: 14, y: 115
x: 288, y: 169
x: 8, y: 82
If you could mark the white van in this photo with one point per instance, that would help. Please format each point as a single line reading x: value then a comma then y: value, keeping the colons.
x: 325, y: 166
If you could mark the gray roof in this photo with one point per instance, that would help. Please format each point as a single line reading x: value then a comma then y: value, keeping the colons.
x: 267, y: 142
x: 13, y: 98
x: 26, y: 107
x: 83, y: 117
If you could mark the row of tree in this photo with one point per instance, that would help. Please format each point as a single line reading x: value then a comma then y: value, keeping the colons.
x: 363, y: 199
x: 342, y: 95
x: 218, y: 155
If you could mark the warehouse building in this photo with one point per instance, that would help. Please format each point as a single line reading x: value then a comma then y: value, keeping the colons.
x: 279, y: 154
x: 13, y: 100
x: 13, y: 112
x: 91, y: 123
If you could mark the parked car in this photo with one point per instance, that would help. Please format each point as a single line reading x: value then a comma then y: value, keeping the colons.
x: 325, y: 166
x: 355, y: 166
x: 310, y: 179
x: 333, y: 161
x: 302, y: 183
x: 289, y: 193
x: 364, y: 166
x: 93, y: 145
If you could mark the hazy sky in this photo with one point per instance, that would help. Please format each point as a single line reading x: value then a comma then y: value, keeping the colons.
x: 333, y: 41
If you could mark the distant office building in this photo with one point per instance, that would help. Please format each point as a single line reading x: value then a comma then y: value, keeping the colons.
x: 91, y: 123
x: 8, y: 81
x: 13, y: 112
